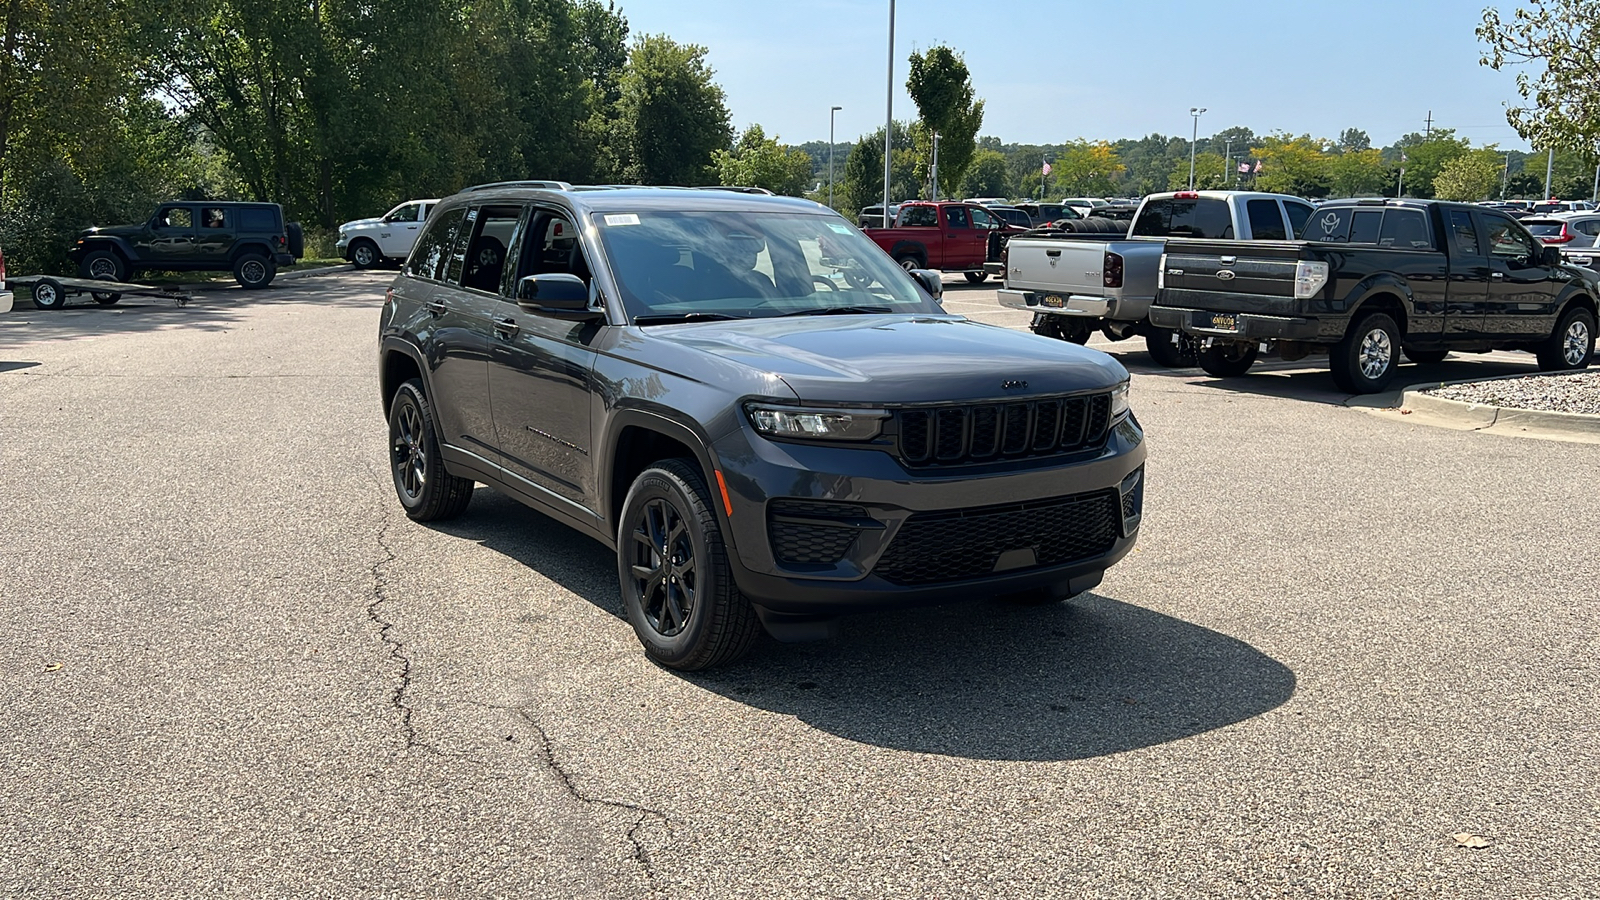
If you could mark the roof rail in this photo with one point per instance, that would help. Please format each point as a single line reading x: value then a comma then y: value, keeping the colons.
x: 729, y: 187
x: 546, y: 185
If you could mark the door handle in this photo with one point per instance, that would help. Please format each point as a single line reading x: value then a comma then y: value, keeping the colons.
x: 436, y: 307
x: 1498, y: 276
x: 505, y: 325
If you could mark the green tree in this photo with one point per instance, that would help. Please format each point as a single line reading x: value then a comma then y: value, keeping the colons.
x: 671, y: 115
x: 1292, y: 165
x: 1354, y: 139
x: 1208, y: 173
x: 1086, y: 170
x: 1561, y: 39
x: 759, y: 161
x: 987, y: 176
x: 941, y: 87
x: 863, y: 176
x: 1425, y: 156
x: 1358, y: 173
x: 1471, y: 176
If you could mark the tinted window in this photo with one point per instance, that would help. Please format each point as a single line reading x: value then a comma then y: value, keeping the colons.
x: 956, y: 216
x: 1587, y: 226
x: 1330, y: 225
x: 1404, y: 229
x: 1202, y: 218
x: 1463, y: 237
x: 214, y: 217
x: 428, y: 257
x: 1506, y: 239
x: 484, y: 261
x: 1365, y: 225
x: 176, y: 217
x: 256, y: 218
x: 1543, y: 228
x: 1266, y: 222
x: 920, y: 216
x: 550, y: 245
x: 983, y: 219
x: 1298, y: 214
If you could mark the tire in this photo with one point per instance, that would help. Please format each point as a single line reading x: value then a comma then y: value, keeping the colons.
x: 104, y: 265
x: 1571, y: 344
x: 254, y: 271
x: 1179, y: 355
x: 1365, y: 360
x: 366, y: 255
x: 426, y: 490
x: 1227, y: 359
x: 909, y: 262
x: 106, y: 298
x: 47, y: 294
x: 1426, y: 357
x: 1062, y: 328
x: 668, y: 522
x: 296, y: 238
x: 975, y: 277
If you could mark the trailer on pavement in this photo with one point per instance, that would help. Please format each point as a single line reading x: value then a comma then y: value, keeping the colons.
x: 51, y: 292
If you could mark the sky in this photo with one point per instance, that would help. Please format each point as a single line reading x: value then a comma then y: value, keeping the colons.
x: 1050, y: 71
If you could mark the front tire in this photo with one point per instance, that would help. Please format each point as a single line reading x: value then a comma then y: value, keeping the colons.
x: 254, y: 271
x: 426, y: 491
x: 1365, y: 360
x: 1571, y: 344
x: 1227, y: 359
x: 365, y: 255
x: 975, y: 277
x: 1179, y: 354
x: 104, y: 265
x: 676, y: 584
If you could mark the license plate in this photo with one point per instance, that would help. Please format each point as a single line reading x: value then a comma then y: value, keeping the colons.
x: 1054, y: 301
x: 1223, y: 322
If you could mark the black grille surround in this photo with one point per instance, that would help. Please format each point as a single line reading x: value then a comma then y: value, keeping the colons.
x: 957, y: 434
x: 955, y: 545
x: 824, y: 539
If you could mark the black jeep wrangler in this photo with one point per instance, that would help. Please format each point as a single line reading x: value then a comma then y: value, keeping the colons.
x: 251, y: 240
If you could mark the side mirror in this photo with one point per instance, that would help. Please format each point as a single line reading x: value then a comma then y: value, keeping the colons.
x: 558, y: 295
x: 930, y: 281
x: 1550, y: 256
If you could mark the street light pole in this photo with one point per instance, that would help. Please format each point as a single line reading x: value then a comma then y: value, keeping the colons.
x: 888, y: 123
x: 830, y: 154
x: 1227, y: 163
x: 1549, y: 171
x: 936, y: 165
x: 1196, y: 112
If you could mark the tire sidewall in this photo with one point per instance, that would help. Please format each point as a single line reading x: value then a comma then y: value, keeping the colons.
x: 409, y: 396
x: 240, y: 267
x: 1351, y: 352
x: 373, y: 256
x: 119, y: 269
x: 1560, y: 338
x: 658, y: 483
x: 54, y: 297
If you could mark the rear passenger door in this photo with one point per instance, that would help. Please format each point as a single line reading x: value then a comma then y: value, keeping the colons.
x: 1467, y: 301
x: 461, y: 340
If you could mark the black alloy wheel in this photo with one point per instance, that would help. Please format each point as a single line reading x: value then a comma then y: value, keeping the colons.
x: 104, y: 265
x: 254, y: 271
x: 426, y: 491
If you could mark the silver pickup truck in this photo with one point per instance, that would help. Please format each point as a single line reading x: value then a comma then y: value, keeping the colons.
x: 1077, y: 283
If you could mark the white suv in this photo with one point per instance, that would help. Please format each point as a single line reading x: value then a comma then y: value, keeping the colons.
x: 369, y: 242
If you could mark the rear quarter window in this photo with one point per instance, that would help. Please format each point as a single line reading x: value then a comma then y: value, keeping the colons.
x: 257, y: 219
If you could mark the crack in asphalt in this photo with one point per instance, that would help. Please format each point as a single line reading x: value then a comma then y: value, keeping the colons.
x: 397, y: 648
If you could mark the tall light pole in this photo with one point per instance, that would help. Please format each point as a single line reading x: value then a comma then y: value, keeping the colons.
x: 1196, y: 112
x: 936, y: 165
x: 830, y: 154
x: 1227, y: 163
x: 888, y: 124
x: 1549, y: 171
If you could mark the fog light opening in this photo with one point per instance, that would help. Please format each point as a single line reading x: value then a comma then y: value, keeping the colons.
x: 1131, y: 493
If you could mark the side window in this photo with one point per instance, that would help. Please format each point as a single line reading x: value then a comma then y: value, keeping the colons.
x: 1506, y: 240
x: 1404, y: 229
x: 1155, y: 219
x: 256, y: 219
x: 483, y: 263
x: 551, y: 245
x: 214, y: 217
x: 1299, y: 214
x: 921, y: 216
x: 1329, y: 225
x: 1266, y: 221
x: 1203, y: 218
x: 426, y: 208
x: 1463, y: 237
x: 982, y: 218
x: 1365, y: 226
x: 428, y: 257
x: 957, y: 216
x: 176, y: 217
x: 407, y: 213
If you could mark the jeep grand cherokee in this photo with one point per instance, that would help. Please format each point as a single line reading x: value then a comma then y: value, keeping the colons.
x: 766, y: 418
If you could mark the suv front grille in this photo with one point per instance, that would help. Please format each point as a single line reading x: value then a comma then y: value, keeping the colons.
x: 959, y: 434
x: 954, y: 545
x: 822, y: 541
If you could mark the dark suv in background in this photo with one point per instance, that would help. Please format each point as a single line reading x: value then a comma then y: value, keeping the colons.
x: 768, y: 419
x: 251, y: 240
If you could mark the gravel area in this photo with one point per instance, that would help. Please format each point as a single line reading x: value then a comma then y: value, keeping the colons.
x: 1577, y: 392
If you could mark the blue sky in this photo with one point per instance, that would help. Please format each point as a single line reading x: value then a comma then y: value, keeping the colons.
x: 1271, y: 65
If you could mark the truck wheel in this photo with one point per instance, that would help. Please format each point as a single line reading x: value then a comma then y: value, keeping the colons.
x: 254, y: 271
x: 1061, y: 328
x: 104, y: 265
x: 910, y: 262
x: 1179, y: 354
x: 677, y: 587
x: 365, y: 254
x: 47, y: 294
x: 1227, y: 359
x: 106, y: 298
x: 1426, y: 357
x: 976, y: 277
x: 426, y: 491
x: 1571, y: 344
x: 1365, y: 360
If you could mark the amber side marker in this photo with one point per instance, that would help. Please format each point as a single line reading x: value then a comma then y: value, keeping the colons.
x: 726, y: 503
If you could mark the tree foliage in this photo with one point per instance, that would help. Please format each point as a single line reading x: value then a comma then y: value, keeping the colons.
x: 1087, y: 169
x: 1562, y: 38
x: 671, y: 116
x: 941, y: 87
x: 987, y: 176
x: 1292, y: 165
x: 1469, y: 177
x: 759, y: 161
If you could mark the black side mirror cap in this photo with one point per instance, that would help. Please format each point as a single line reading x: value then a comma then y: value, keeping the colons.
x: 556, y: 294
x: 930, y: 281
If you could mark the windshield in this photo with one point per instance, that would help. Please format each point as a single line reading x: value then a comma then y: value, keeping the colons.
x: 678, y: 266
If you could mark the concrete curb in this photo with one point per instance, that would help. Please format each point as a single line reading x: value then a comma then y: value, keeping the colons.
x: 1497, y: 419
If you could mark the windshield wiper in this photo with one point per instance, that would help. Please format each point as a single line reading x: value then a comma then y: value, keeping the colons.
x: 670, y: 318
x: 838, y: 311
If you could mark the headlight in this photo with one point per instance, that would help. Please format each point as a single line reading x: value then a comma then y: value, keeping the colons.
x: 816, y: 424
x: 1119, y: 401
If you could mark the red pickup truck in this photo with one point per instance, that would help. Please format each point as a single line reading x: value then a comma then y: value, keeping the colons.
x: 949, y: 236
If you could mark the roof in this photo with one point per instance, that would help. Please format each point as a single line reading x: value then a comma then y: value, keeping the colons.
x: 583, y: 198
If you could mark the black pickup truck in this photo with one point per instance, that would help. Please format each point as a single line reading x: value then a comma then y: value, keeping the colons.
x: 1372, y: 277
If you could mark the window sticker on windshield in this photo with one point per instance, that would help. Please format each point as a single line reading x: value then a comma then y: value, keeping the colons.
x: 623, y: 219
x: 839, y: 227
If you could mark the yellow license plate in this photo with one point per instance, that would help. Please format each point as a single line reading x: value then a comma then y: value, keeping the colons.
x: 1223, y: 322
x: 1054, y: 301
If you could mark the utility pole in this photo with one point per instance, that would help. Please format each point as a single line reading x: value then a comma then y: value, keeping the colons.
x: 1196, y: 112
x: 1549, y: 171
x: 1505, y: 177
x: 1227, y: 162
x: 1428, y: 128
x: 888, y: 124
x: 936, y: 165
x: 830, y: 154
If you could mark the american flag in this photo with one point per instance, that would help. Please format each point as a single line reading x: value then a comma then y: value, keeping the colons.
x: 1047, y: 168
x: 1258, y: 165
x: 1244, y: 167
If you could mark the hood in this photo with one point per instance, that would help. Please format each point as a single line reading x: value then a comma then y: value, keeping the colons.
x: 376, y: 220
x: 900, y: 359
x: 112, y: 231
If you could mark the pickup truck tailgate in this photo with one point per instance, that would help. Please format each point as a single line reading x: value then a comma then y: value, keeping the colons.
x: 1053, y: 264
x: 1247, y: 276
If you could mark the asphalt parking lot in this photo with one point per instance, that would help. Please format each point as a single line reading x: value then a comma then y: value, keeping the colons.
x: 230, y: 667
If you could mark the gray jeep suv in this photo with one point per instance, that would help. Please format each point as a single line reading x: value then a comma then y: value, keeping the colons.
x: 769, y: 420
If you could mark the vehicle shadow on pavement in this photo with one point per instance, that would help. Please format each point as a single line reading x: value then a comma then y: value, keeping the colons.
x: 983, y: 680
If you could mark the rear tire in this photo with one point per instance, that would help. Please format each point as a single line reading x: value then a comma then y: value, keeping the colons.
x: 1227, y: 359
x: 1365, y: 360
x: 670, y: 555
x: 975, y: 277
x: 254, y: 271
x: 1166, y: 352
x: 1062, y: 328
x: 1571, y: 344
x: 105, y: 298
x: 909, y: 262
x: 426, y: 491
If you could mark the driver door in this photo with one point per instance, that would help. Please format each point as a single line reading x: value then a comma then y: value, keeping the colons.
x: 1522, y: 289
x: 171, y: 236
x: 399, y: 231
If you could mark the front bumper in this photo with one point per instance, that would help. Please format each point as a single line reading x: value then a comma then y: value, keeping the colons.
x: 897, y: 503
x: 1243, y: 326
x: 343, y: 246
